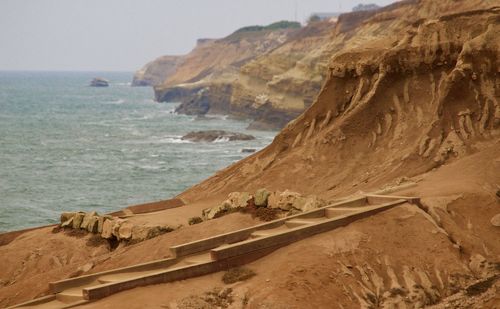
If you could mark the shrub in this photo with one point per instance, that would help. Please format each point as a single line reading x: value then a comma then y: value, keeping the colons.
x: 237, y: 274
x: 195, y: 220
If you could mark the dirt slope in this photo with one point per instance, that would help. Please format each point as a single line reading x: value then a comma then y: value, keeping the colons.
x: 402, y: 258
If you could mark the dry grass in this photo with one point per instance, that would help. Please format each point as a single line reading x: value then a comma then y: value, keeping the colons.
x: 195, y: 220
x: 237, y: 274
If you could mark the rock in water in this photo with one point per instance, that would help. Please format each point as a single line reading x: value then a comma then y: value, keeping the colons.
x: 214, y: 135
x: 99, y: 82
x: 247, y: 150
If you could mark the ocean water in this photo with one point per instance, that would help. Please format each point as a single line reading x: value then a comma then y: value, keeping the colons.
x: 65, y: 146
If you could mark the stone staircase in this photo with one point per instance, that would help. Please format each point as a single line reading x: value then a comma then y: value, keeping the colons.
x: 216, y: 253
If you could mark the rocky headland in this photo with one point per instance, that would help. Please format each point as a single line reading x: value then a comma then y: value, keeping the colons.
x: 156, y: 71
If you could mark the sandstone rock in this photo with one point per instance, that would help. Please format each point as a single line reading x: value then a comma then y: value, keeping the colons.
x: 125, y: 230
x: 140, y: 233
x: 92, y: 225
x: 261, y: 196
x: 234, y: 201
x: 289, y: 200
x: 67, y: 223
x: 107, y: 228
x: 239, y: 199
x: 116, y: 228
x: 100, y: 222
x: 217, y: 211
x: 77, y: 219
x: 65, y: 216
x: 86, y: 219
x: 495, y: 221
x: 283, y: 200
x: 308, y: 203
x: 216, y: 135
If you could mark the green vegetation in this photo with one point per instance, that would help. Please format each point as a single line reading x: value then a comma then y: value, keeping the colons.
x: 274, y: 26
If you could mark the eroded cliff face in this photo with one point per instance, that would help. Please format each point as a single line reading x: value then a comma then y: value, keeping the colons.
x: 264, y: 76
x: 422, y: 105
x: 396, y: 106
x: 272, y: 78
x: 156, y: 71
x: 204, y: 80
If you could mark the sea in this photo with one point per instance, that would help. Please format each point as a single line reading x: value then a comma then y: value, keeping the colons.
x: 65, y: 146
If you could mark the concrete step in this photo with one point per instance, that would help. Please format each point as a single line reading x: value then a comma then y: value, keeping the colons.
x: 339, y: 211
x: 198, y: 259
x: 214, y: 253
x: 70, y: 295
x: 303, y: 221
x: 265, y: 232
x: 120, y: 277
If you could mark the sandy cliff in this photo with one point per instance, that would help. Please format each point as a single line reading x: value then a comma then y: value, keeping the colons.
x: 274, y: 85
x: 395, y: 105
x: 156, y: 71
x: 205, y: 76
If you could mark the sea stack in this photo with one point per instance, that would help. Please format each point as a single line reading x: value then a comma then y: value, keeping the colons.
x: 99, y: 82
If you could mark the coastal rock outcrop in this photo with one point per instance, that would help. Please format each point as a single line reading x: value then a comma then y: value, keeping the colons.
x: 99, y: 82
x: 109, y: 227
x: 205, y: 79
x: 235, y: 201
x: 216, y: 135
x: 288, y: 202
x: 156, y: 71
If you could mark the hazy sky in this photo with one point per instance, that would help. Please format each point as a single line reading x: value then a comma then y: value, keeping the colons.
x: 122, y: 35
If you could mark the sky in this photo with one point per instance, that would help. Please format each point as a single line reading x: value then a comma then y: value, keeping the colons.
x: 123, y: 35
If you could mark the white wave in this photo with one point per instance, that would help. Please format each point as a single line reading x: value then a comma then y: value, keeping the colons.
x: 221, y: 139
x: 122, y: 84
x: 174, y: 140
x: 216, y: 116
x: 149, y: 167
x: 115, y: 102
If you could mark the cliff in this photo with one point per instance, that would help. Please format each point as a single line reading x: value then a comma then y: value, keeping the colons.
x: 274, y: 85
x: 245, y: 75
x: 156, y: 71
x: 410, y: 100
x: 206, y: 78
